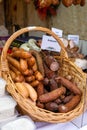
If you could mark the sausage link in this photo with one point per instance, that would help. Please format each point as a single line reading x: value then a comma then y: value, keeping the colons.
x: 70, y: 105
x: 50, y: 96
x: 69, y: 85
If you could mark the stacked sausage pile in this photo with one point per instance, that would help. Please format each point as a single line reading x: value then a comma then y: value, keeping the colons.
x: 36, y: 77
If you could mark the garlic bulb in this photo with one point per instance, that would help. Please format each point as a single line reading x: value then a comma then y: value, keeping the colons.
x: 31, y: 44
x: 25, y: 46
x: 82, y: 63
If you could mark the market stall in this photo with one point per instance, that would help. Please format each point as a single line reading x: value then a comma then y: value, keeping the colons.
x: 43, y: 71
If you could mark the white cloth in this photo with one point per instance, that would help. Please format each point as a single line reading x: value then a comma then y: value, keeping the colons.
x: 77, y: 124
x: 60, y: 126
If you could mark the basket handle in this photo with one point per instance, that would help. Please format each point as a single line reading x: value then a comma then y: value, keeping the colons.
x: 27, y: 29
x: 33, y: 28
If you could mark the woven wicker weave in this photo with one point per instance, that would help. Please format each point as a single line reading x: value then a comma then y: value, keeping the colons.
x: 68, y: 68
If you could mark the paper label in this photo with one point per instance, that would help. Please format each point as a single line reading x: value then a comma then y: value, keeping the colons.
x: 49, y: 43
x: 74, y: 38
x: 58, y: 32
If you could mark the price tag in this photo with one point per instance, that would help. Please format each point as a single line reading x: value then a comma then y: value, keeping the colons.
x: 74, y: 38
x: 58, y: 32
x: 49, y: 43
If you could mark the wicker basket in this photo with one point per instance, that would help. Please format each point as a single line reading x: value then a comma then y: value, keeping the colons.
x: 68, y: 68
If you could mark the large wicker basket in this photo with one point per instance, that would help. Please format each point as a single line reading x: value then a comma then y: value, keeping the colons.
x: 68, y: 68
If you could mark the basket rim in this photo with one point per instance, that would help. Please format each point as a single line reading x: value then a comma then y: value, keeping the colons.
x: 5, y: 71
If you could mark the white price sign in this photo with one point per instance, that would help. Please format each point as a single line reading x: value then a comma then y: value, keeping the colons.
x: 49, y: 43
x: 58, y: 32
x: 74, y: 38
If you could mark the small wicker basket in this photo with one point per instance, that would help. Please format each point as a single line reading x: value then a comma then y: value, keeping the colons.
x: 68, y: 68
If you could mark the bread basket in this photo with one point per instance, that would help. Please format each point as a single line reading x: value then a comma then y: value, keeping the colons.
x: 68, y: 68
